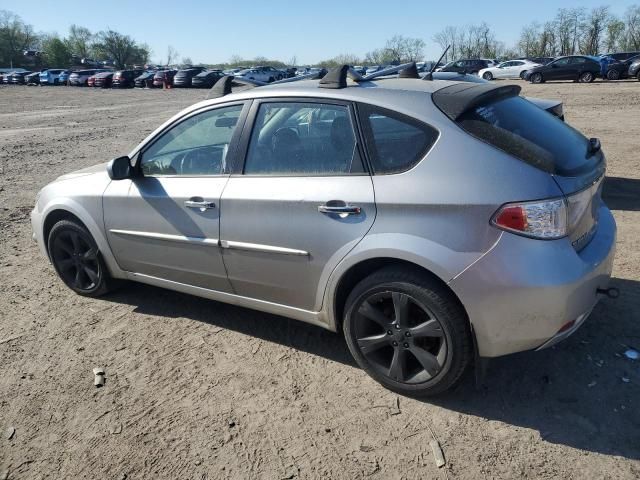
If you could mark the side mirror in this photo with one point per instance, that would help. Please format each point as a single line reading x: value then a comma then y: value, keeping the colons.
x: 120, y: 168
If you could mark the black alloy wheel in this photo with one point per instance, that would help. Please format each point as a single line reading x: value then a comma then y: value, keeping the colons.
x: 408, y: 331
x: 75, y: 257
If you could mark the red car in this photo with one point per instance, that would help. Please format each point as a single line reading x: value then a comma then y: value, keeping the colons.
x: 164, y: 77
x: 91, y: 81
x: 103, y: 80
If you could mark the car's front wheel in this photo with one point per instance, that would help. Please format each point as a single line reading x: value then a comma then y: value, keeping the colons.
x: 408, y: 332
x: 487, y: 76
x: 76, y: 259
x: 536, y: 78
x: 523, y: 74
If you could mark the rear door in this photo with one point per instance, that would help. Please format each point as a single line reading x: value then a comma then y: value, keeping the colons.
x: 298, y: 204
x: 165, y: 222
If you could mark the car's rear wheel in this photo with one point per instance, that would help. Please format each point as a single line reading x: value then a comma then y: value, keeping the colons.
x: 536, y: 78
x: 487, y: 76
x: 586, y: 77
x: 408, y: 332
x: 76, y: 259
x: 613, y: 75
x: 523, y: 74
x: 638, y: 76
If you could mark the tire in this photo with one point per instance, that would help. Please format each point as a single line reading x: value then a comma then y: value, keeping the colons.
x: 424, y: 353
x: 487, y: 76
x: 536, y: 78
x: 271, y: 79
x: 523, y: 74
x: 613, y: 75
x: 586, y: 77
x: 638, y: 76
x: 76, y: 259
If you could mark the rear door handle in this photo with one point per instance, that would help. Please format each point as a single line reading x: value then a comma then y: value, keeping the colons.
x: 340, y: 209
x: 201, y: 205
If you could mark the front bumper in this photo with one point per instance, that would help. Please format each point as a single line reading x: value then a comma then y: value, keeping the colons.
x: 522, y: 292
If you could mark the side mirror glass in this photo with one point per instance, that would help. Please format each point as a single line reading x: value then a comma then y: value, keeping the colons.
x: 120, y: 168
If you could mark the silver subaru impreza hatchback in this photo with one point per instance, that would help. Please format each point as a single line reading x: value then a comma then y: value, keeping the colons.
x: 435, y: 223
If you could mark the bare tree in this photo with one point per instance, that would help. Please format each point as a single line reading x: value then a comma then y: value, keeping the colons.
x: 632, y: 27
x: 448, y: 38
x: 79, y: 41
x: 593, y: 29
x: 172, y: 55
x: 293, y: 61
x: 186, y: 61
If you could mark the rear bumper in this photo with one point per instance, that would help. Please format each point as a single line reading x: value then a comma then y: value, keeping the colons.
x: 522, y: 292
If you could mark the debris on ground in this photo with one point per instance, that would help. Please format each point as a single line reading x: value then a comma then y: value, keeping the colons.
x: 437, y: 453
x: 10, y: 433
x: 116, y: 429
x: 99, y: 374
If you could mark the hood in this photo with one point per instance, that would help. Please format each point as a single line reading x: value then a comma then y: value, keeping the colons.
x: 101, y: 167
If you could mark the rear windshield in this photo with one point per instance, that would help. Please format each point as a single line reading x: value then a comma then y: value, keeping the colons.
x: 532, y: 134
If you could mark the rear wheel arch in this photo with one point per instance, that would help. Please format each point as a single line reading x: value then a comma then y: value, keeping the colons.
x: 361, y: 270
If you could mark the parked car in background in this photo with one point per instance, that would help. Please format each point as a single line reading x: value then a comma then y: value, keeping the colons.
x: 471, y: 65
x: 51, y: 76
x: 206, y: 79
x: 620, y: 68
x: 539, y: 60
x: 63, y: 78
x: 103, y: 79
x: 184, y: 77
x: 620, y: 56
x: 164, y: 77
x: 17, y: 78
x: 510, y: 69
x: 634, y: 69
x: 144, y: 80
x: 91, y: 81
x: 422, y: 257
x: 579, y: 68
x: 125, y: 78
x: 80, y: 78
x: 262, y: 74
x: 32, y: 79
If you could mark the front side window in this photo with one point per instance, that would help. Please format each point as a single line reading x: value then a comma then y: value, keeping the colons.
x: 395, y: 142
x: 296, y: 138
x: 578, y: 60
x: 196, y: 146
x: 562, y: 62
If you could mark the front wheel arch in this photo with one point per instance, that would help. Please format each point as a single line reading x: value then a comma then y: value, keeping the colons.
x: 54, y: 217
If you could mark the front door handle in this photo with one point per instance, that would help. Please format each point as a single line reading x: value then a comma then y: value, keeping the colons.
x: 201, y: 205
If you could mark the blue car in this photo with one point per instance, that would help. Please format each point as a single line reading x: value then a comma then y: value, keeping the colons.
x: 53, y: 76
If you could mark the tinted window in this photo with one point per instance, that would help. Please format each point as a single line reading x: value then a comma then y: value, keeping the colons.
x: 395, y: 142
x: 196, y: 146
x: 578, y: 60
x: 523, y: 130
x: 561, y: 62
x: 302, y: 138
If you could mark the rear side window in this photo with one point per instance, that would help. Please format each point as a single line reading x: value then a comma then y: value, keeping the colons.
x: 531, y: 134
x: 395, y: 142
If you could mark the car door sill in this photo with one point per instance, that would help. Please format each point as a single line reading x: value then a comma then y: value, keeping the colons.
x: 307, y: 316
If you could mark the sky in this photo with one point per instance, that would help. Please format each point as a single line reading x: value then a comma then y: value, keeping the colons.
x: 210, y: 31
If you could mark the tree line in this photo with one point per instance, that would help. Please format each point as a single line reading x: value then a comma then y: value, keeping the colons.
x: 571, y: 31
x: 51, y: 50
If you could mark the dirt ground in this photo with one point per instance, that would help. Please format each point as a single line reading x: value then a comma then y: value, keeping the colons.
x: 202, y: 390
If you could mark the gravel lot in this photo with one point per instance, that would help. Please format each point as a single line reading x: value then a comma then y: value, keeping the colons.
x: 202, y: 390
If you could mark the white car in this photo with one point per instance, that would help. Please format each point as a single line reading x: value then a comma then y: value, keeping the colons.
x: 510, y: 69
x: 262, y: 74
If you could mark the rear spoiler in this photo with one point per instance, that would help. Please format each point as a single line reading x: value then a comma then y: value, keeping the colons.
x: 462, y: 97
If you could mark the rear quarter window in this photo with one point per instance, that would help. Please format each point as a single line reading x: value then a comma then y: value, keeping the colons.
x: 395, y: 142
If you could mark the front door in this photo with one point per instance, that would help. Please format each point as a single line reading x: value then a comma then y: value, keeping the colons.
x: 301, y: 201
x: 165, y: 223
x: 560, y: 70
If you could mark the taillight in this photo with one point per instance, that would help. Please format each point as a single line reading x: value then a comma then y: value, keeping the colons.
x: 546, y: 219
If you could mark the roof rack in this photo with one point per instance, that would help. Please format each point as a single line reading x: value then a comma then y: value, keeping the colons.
x: 309, y: 76
x: 337, y: 77
x: 229, y: 84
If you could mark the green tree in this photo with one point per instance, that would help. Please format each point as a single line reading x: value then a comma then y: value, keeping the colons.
x: 120, y: 48
x: 55, y: 52
x: 15, y: 38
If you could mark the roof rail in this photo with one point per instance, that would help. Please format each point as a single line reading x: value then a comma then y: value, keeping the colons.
x: 229, y: 83
x: 387, y: 71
